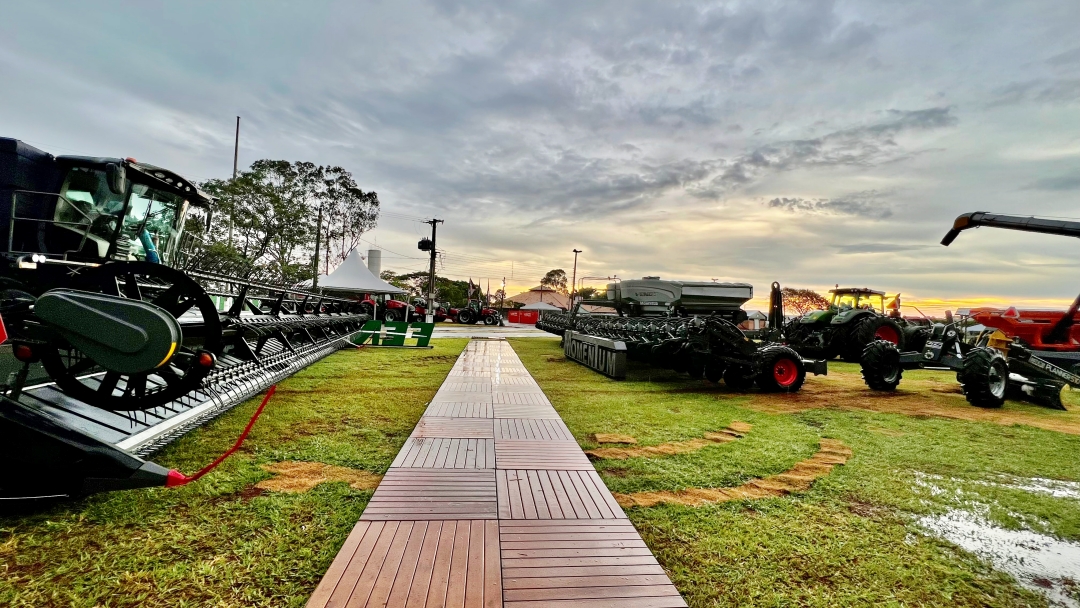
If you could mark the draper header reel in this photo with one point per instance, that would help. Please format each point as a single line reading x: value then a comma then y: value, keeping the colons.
x: 112, y: 350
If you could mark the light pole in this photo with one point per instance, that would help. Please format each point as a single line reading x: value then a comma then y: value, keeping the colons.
x: 573, y: 281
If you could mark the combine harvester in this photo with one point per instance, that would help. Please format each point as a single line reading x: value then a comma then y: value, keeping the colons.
x: 111, y: 349
x: 690, y: 327
x: 1033, y: 355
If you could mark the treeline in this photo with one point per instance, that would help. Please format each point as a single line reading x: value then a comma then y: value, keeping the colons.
x: 283, y: 222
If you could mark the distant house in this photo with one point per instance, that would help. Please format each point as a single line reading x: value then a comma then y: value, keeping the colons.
x: 541, y: 293
x: 755, y: 319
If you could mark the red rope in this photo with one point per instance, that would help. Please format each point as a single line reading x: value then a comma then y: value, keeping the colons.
x: 176, y: 478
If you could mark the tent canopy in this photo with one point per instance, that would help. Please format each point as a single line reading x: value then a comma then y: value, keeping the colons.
x: 540, y: 306
x: 353, y: 275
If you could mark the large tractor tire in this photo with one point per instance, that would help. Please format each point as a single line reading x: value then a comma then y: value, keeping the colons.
x: 868, y: 330
x: 881, y: 366
x: 739, y: 377
x: 779, y: 370
x: 491, y: 320
x: 391, y: 315
x: 465, y: 317
x: 985, y: 377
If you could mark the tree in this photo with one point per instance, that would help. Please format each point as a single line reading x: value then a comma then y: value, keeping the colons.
x: 586, y: 293
x: 803, y: 300
x: 555, y: 279
x: 278, y: 220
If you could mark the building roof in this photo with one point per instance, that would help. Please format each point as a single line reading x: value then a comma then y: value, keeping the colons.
x: 541, y: 294
x: 540, y: 306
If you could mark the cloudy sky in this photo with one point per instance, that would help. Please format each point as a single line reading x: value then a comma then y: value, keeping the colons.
x: 810, y: 142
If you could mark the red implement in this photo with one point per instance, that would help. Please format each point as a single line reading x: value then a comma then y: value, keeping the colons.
x: 1031, y: 326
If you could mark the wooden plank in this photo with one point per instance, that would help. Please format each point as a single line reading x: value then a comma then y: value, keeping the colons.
x: 593, y: 581
x: 493, y: 590
x: 440, y: 569
x: 459, y: 566
x: 370, y: 574
x: 337, y: 567
x: 474, y: 576
x: 356, y: 566
x: 556, y: 571
x: 403, y: 579
x: 503, y: 493
x: 439, y: 426
x: 538, y: 499
x: 391, y: 566
x: 418, y: 590
x: 599, y: 560
x: 644, y: 602
x: 571, y: 593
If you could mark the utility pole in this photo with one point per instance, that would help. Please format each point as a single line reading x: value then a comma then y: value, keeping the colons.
x: 318, y: 240
x: 235, y: 164
x: 573, y: 281
x: 430, y: 316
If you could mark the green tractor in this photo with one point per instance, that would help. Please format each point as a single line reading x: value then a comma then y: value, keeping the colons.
x: 855, y: 317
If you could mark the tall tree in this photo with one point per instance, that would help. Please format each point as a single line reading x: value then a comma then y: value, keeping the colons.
x: 803, y: 300
x: 279, y: 233
x: 555, y: 279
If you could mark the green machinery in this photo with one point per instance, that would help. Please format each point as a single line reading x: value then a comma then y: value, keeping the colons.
x: 113, y: 345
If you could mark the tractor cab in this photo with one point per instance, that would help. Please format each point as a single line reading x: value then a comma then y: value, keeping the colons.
x: 857, y: 299
x: 91, y: 209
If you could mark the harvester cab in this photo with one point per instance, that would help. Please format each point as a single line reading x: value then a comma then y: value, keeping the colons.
x: 1034, y: 358
x: 113, y: 349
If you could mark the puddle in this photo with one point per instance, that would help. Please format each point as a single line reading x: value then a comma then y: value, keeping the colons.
x: 1044, y: 564
x: 1034, y: 485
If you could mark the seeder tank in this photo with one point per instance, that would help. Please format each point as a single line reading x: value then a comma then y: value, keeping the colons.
x: 112, y: 345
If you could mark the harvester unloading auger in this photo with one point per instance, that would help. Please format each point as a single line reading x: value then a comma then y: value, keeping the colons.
x: 112, y: 349
x: 1033, y: 358
x: 691, y: 327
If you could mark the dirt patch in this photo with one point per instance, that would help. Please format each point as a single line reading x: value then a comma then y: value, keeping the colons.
x: 734, y: 431
x: 251, y: 492
x: 612, y: 438
x: 294, y: 477
x: 886, y: 432
x: 918, y: 398
x: 798, y: 478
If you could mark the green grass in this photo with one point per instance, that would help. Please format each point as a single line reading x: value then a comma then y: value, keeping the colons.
x: 850, y: 540
x: 221, y: 542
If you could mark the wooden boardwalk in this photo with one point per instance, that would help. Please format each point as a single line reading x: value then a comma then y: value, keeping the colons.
x: 491, y: 503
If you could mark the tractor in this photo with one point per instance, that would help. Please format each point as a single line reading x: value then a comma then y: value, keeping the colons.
x: 473, y: 312
x: 114, y: 343
x: 855, y: 317
x: 1034, y: 358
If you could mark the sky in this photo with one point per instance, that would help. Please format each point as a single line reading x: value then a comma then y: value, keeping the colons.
x: 811, y: 142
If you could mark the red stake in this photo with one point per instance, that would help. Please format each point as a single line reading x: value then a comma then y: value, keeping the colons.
x: 176, y: 478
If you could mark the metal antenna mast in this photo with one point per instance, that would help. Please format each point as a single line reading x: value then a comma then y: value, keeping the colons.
x: 431, y: 278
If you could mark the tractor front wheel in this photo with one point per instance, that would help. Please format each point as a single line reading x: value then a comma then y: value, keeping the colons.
x: 881, y: 366
x: 464, y: 317
x: 985, y: 377
x: 491, y: 320
x: 392, y: 315
x: 780, y: 370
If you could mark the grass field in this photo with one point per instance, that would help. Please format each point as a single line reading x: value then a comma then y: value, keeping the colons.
x: 851, y: 540
x: 223, y: 541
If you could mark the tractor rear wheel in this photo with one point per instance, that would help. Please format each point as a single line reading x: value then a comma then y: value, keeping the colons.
x: 868, y: 330
x: 739, y: 377
x: 985, y: 377
x: 881, y: 366
x: 780, y: 370
x: 392, y: 315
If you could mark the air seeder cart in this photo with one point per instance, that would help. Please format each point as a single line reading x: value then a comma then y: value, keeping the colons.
x: 1034, y: 358
x: 115, y: 346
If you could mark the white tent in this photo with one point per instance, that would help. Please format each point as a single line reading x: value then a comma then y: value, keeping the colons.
x: 540, y: 306
x: 353, y: 275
